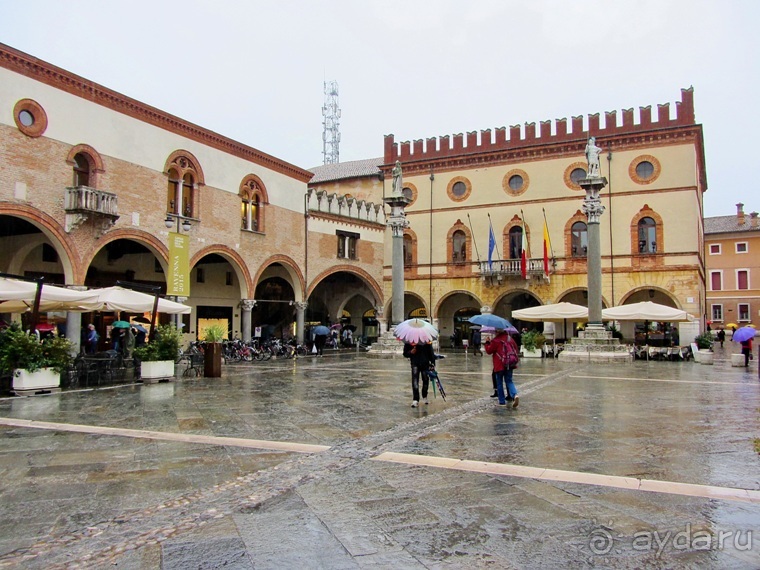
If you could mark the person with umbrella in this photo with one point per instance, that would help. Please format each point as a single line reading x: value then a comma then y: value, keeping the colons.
x: 504, y: 353
x: 422, y: 358
x: 320, y: 338
x: 744, y: 336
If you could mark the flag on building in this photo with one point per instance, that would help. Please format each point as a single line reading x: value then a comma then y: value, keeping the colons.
x: 524, y: 253
x: 547, y: 245
x: 491, y: 244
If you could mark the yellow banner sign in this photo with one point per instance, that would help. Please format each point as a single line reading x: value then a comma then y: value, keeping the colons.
x: 179, y: 265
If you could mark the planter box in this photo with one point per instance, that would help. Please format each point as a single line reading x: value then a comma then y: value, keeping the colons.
x: 535, y: 353
x: 705, y: 356
x: 157, y: 370
x: 42, y: 379
x: 212, y: 365
x: 737, y: 360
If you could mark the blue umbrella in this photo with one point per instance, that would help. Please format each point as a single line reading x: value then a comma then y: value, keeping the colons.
x: 139, y: 328
x: 321, y: 330
x: 744, y: 333
x: 489, y: 320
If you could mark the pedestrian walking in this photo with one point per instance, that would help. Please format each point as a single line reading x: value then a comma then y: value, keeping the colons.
x: 747, y: 351
x: 476, y: 340
x: 504, y: 352
x: 721, y: 336
x: 91, y: 343
x: 421, y: 358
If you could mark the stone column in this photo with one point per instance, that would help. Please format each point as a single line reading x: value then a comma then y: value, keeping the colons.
x: 300, y: 310
x: 397, y: 221
x: 592, y: 207
x: 246, y: 306
x: 74, y: 325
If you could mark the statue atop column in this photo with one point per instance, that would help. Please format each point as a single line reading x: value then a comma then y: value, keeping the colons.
x: 398, y: 189
x: 592, y: 156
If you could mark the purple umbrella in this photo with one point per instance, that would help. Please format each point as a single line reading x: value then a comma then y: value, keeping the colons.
x: 744, y: 333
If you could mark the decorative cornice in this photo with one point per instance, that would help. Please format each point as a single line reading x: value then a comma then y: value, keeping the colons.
x: 346, y: 220
x: 58, y: 78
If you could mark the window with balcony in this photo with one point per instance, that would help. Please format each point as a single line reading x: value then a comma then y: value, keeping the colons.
x: 579, y: 239
x: 459, y: 247
x: 81, y: 170
x: 515, y: 242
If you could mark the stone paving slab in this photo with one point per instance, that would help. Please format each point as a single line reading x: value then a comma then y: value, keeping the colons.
x: 173, y: 501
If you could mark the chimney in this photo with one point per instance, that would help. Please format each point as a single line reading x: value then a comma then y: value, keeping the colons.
x: 740, y: 214
x: 753, y: 219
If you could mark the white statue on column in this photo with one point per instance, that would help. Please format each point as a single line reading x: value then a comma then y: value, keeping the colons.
x: 592, y: 156
x: 398, y: 189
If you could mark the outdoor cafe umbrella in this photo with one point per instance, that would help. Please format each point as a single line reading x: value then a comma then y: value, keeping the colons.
x: 744, y: 333
x: 554, y: 313
x: 121, y: 299
x: 415, y: 330
x: 321, y: 330
x: 18, y: 296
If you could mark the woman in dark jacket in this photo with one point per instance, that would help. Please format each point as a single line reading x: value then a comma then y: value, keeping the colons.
x: 422, y: 358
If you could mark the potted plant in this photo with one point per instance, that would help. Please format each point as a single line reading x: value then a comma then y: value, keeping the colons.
x: 35, y: 364
x: 532, y: 341
x: 158, y: 356
x: 704, y: 343
x: 212, y: 364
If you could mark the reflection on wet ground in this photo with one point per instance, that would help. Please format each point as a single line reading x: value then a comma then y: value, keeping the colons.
x: 166, y: 475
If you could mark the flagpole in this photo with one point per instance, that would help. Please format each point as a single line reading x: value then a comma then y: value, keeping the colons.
x: 474, y: 242
x: 523, y: 253
x: 496, y: 245
x: 547, y: 233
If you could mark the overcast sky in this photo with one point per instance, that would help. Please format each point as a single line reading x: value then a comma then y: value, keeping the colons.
x: 254, y: 70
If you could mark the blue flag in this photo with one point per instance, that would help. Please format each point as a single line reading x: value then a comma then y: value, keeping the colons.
x: 491, y: 245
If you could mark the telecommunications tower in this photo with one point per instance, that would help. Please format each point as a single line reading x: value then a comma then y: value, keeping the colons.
x: 331, y: 124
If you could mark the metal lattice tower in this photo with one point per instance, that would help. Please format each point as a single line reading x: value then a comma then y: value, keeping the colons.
x: 331, y: 124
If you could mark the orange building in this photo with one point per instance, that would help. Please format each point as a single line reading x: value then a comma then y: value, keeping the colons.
x: 732, y: 253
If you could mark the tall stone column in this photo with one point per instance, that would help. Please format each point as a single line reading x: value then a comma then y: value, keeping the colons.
x: 246, y: 306
x: 300, y: 310
x: 74, y: 325
x: 592, y: 207
x: 397, y: 222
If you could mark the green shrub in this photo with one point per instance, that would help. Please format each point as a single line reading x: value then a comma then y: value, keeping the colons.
x: 165, y: 345
x: 532, y: 340
x: 704, y: 341
x: 19, y: 350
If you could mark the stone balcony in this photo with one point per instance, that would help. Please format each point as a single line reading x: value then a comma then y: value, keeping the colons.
x: 83, y: 202
x: 511, y: 268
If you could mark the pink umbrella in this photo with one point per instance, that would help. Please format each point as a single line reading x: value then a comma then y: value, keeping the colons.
x: 415, y: 330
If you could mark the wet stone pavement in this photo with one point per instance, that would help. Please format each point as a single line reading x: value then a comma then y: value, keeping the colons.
x: 322, y: 463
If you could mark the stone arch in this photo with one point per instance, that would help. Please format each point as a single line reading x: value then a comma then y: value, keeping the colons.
x: 388, y: 304
x: 175, y: 159
x: 366, y: 277
x: 237, y: 262
x: 451, y: 293
x: 641, y: 293
x: 71, y: 259
x: 298, y: 282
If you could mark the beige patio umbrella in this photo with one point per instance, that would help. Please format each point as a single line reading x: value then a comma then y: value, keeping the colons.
x: 555, y: 313
x: 18, y: 296
x: 122, y: 299
x: 645, y: 311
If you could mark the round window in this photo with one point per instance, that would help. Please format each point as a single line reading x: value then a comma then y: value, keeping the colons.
x: 408, y: 194
x: 26, y: 118
x: 516, y: 182
x: 459, y: 189
x: 645, y: 170
x: 577, y: 175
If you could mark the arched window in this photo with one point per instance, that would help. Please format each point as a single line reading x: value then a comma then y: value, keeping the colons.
x: 515, y: 242
x: 184, y: 178
x: 81, y: 170
x: 252, y: 198
x: 579, y: 239
x: 459, y: 247
x: 647, y: 235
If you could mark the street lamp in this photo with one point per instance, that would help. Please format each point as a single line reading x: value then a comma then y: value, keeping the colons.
x: 169, y: 222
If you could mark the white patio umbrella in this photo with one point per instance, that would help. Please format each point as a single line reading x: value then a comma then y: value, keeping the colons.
x: 17, y: 296
x: 555, y: 313
x: 645, y: 311
x: 121, y: 299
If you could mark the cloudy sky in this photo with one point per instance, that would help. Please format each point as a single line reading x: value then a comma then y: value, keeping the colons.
x: 254, y: 70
